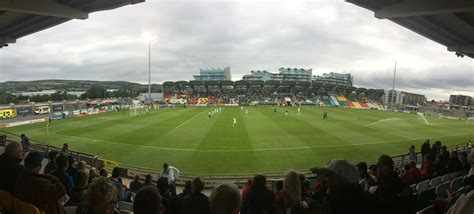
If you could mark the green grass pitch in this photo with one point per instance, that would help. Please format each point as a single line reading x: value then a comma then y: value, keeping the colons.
x: 263, y: 141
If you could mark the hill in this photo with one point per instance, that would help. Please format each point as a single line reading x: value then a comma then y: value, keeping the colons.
x: 70, y: 85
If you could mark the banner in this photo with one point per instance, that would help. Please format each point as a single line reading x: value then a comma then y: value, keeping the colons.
x: 19, y: 123
x: 23, y: 111
x: 57, y: 108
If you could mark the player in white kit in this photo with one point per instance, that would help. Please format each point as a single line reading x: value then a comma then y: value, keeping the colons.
x: 234, y: 122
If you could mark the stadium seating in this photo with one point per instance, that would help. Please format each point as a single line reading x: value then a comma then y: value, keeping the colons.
x: 447, y: 177
x: 441, y: 189
x: 456, y: 183
x: 435, y: 181
x: 422, y: 186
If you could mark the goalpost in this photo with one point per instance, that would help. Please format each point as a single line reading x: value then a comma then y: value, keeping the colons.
x: 470, y: 120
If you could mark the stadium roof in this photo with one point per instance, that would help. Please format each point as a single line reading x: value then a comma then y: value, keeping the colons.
x: 450, y: 23
x: 19, y: 18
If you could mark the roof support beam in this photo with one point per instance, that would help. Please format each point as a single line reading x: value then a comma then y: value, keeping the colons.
x: 466, y: 49
x: 42, y: 7
x: 410, y: 8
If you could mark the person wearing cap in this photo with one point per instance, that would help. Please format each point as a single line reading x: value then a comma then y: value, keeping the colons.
x: 340, y: 180
x: 43, y: 191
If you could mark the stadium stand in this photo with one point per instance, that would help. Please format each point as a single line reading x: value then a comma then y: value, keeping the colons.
x: 268, y: 93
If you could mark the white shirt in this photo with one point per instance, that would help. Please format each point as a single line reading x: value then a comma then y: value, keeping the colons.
x: 235, y: 120
x: 172, y: 174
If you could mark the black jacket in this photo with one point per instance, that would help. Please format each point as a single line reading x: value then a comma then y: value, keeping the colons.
x: 10, y: 168
x: 258, y: 201
x: 197, y: 203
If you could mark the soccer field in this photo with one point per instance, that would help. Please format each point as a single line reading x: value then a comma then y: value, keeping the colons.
x: 262, y: 141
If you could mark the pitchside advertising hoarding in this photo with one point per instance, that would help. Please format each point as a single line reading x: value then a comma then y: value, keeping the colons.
x: 23, y: 111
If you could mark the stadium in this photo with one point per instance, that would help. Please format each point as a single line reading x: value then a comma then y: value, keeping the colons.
x: 255, y: 136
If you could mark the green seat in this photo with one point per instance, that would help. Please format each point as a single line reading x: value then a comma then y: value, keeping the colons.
x: 427, y: 197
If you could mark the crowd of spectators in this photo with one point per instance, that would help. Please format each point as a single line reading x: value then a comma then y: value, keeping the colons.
x: 340, y: 187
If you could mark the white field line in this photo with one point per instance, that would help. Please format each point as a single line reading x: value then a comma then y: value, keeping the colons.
x: 384, y: 120
x: 253, y: 150
x: 423, y: 117
x: 185, y: 122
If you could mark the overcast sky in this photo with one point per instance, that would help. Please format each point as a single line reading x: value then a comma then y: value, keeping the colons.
x: 325, y: 35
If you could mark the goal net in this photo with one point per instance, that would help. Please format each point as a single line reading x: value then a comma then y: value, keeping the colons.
x: 470, y: 120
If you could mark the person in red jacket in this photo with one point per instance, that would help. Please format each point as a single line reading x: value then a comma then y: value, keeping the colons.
x: 416, y: 172
x: 428, y: 167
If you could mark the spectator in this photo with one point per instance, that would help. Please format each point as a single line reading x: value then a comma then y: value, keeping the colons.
x: 25, y: 142
x: 344, y: 195
x: 92, y: 174
x: 103, y: 173
x: 471, y: 162
x: 196, y: 202
x: 444, y: 155
x: 428, y: 167
x: 464, y: 161
x: 454, y: 164
x: 175, y: 205
x: 373, y: 171
x: 171, y: 173
x: 279, y: 191
x: 305, y: 191
x: 101, y: 197
x: 51, y: 166
x: 122, y: 193
x: 246, y: 187
x: 43, y: 191
x: 135, y: 185
x: 79, y: 192
x: 10, y: 166
x: 60, y: 172
x: 65, y: 150
x: 407, y: 175
x: 415, y: 171
x: 291, y: 194
x: 225, y: 199
x: 148, y: 181
x: 390, y: 186
x: 412, y: 154
x: 81, y: 165
x: 425, y: 148
x: 163, y: 187
x: 366, y: 180
x: 71, y: 169
x: 188, y: 185
x: 259, y: 199
x: 148, y: 201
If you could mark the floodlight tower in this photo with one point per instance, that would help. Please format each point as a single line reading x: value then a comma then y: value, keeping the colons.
x: 150, y: 38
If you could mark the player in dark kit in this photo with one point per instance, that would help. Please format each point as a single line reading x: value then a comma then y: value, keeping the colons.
x: 325, y: 116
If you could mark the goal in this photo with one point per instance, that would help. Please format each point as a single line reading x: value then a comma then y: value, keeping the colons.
x: 470, y: 120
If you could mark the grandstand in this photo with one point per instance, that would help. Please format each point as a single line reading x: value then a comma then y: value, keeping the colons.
x: 270, y: 92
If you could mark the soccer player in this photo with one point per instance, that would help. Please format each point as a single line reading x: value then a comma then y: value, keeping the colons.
x: 286, y: 112
x: 246, y: 112
x: 325, y: 116
x: 298, y: 111
x: 209, y: 114
x: 274, y: 109
x: 241, y: 108
x: 234, y: 122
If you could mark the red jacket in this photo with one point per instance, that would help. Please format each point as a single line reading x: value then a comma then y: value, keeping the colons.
x: 428, y: 169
